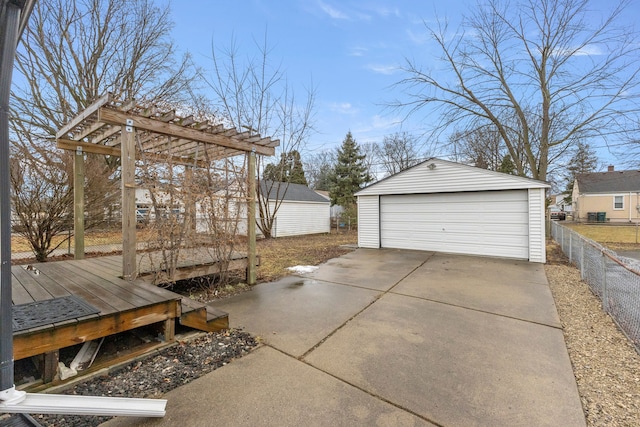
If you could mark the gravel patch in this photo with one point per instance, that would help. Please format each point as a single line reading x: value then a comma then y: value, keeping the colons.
x: 605, y: 364
x: 156, y: 375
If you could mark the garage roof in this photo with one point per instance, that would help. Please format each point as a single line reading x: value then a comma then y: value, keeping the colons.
x: 442, y: 176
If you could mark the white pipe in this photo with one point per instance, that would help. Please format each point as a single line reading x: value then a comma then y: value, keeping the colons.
x: 36, y: 403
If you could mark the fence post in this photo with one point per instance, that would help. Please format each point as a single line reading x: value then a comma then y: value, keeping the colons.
x: 582, y: 243
x: 570, y: 245
x: 605, y: 297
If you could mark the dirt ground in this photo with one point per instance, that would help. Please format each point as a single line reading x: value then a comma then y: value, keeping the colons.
x: 605, y: 364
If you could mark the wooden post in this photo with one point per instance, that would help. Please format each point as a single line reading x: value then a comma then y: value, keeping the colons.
x: 189, y: 201
x: 251, y: 219
x: 78, y: 204
x: 128, y: 161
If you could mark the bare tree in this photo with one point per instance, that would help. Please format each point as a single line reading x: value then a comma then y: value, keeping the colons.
x: 318, y: 168
x: 398, y: 152
x: 74, y: 52
x: 370, y: 150
x: 561, y: 76
x: 45, y: 209
x: 256, y: 97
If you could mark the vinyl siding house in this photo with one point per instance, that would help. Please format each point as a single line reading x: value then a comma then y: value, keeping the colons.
x: 444, y: 206
x: 615, y: 193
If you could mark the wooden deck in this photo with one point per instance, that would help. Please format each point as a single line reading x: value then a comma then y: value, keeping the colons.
x: 121, y: 305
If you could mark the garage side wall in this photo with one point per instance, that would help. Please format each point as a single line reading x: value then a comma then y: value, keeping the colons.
x: 369, y: 222
x: 537, y: 243
x: 298, y: 218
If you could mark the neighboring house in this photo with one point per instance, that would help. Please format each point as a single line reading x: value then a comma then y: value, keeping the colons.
x: 560, y: 200
x: 444, y: 206
x: 615, y: 194
x: 302, y: 211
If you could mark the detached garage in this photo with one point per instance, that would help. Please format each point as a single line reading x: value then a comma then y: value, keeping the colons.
x: 449, y: 207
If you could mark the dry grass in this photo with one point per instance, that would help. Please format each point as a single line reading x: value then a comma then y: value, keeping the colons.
x: 278, y: 254
x: 612, y: 236
x: 91, y: 238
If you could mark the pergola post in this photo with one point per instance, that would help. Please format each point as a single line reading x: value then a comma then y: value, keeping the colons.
x: 128, y: 164
x: 251, y: 219
x: 78, y: 203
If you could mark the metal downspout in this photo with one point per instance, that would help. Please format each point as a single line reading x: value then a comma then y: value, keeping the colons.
x: 9, y: 23
x: 12, y: 400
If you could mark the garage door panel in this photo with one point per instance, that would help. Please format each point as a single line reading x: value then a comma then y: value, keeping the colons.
x: 486, y: 223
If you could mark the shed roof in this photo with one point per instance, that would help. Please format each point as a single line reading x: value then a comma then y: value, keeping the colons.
x: 290, y: 192
x: 442, y: 176
x: 609, y: 182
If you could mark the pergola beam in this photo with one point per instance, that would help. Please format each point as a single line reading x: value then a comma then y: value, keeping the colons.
x: 111, y: 116
x: 103, y: 100
x: 87, y: 147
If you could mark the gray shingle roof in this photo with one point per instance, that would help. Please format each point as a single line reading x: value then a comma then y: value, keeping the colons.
x: 609, y: 182
x: 290, y: 192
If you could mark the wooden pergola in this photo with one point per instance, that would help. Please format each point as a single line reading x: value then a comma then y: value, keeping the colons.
x: 130, y: 131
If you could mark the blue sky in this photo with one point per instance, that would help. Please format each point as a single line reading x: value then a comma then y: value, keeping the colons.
x: 350, y: 50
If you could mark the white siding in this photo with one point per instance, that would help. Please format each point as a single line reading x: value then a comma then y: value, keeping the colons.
x: 447, y: 177
x: 297, y: 218
x: 493, y: 223
x: 537, y: 240
x: 368, y: 222
x: 292, y: 219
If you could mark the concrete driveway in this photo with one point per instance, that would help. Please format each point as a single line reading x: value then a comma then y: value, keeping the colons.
x: 392, y: 338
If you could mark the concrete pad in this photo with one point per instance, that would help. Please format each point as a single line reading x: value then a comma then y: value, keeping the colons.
x: 455, y: 366
x: 508, y: 288
x: 294, y: 314
x: 268, y: 388
x: 378, y: 269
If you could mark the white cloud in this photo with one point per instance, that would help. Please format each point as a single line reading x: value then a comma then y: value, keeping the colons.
x: 332, y: 11
x: 385, y: 11
x: 418, y: 38
x: 380, y: 122
x: 382, y: 68
x: 589, y: 51
x: 358, y: 51
x: 343, y: 108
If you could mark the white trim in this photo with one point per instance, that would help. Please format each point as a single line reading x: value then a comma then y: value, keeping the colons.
x: 614, y: 202
x: 40, y: 403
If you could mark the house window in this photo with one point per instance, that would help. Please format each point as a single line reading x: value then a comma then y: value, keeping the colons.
x: 618, y: 202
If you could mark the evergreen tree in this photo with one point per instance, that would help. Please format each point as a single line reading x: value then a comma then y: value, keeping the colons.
x: 289, y: 169
x: 349, y: 174
x: 584, y: 160
x: 507, y: 166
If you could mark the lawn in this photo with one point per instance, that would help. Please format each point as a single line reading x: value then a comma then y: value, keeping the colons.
x: 275, y: 254
x: 278, y: 254
x: 611, y: 236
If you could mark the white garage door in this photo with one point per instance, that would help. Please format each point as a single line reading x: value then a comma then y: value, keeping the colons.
x: 492, y: 223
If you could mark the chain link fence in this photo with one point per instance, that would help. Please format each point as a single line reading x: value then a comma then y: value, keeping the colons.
x: 105, y: 239
x: 613, y: 278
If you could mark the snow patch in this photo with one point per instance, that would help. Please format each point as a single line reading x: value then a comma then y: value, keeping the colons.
x: 302, y: 269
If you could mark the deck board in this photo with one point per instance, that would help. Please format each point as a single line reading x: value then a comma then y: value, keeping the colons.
x: 30, y: 281
x: 92, y: 293
x: 19, y: 295
x: 113, y: 285
x: 123, y: 305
